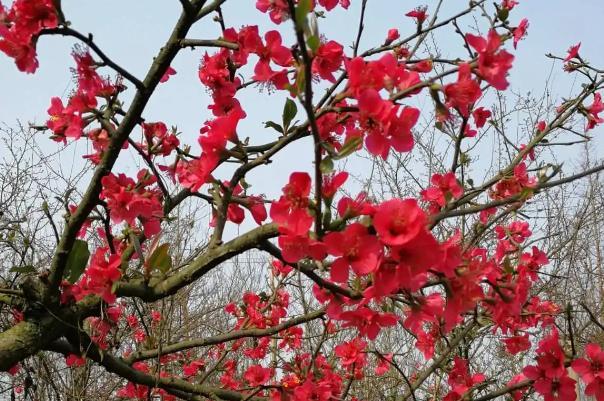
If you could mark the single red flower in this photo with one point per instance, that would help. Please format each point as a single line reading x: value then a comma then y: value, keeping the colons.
x: 419, y: 14
x: 331, y: 4
x: 331, y: 183
x: 480, y: 116
x: 328, y: 59
x: 278, y: 9
x: 393, y: 35
x: 257, y: 375
x: 593, y: 112
x: 493, y: 64
x: 169, y: 72
x: 64, y: 122
x: 368, y: 322
x: 520, y: 31
x: 352, y: 353
x: 573, y: 52
x: 355, y: 248
x: 463, y: 93
x: 397, y: 221
x: 73, y: 360
x: 591, y: 371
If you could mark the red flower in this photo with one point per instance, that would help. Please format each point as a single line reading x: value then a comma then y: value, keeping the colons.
x: 352, y: 353
x: 290, y: 211
x: 463, y: 93
x: 368, y: 322
x: 328, y: 59
x: 509, y: 4
x: 392, y: 36
x: 74, y: 360
x: 19, y: 28
x: 355, y: 248
x: 23, y: 53
x: 192, y: 368
x: 296, y: 247
x: 520, y: 31
x: 193, y: 174
x: 273, y: 51
x: 64, y: 122
x: 423, y: 66
x: 159, y: 141
x: 444, y: 188
x: 397, y: 221
x: 493, y: 65
x: 460, y: 379
x: 169, y: 72
x: 593, y: 110
x: 331, y: 4
x: 280, y: 268
x: 419, y: 14
x: 573, y: 52
x: 13, y: 370
x: 257, y: 375
x: 256, y: 207
x: 592, y: 371
x: 99, y: 276
x: 364, y: 75
x: 128, y: 200
x: 556, y: 389
x: 278, y: 9
x: 291, y: 337
x: 550, y: 374
x: 480, y: 116
x: 514, y: 185
x: 383, y: 364
x: 385, y: 126
x: 348, y: 207
x: 90, y: 82
x: 331, y: 184
x: 517, y: 344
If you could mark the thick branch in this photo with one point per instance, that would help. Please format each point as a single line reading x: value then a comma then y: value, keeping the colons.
x: 198, y: 267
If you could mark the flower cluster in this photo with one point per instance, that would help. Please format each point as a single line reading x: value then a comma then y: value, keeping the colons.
x: 20, y: 27
x: 129, y: 200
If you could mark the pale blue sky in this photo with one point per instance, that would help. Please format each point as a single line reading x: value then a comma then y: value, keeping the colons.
x: 130, y: 32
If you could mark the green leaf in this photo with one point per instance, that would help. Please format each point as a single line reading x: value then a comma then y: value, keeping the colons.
x: 77, y: 260
x: 302, y: 11
x: 349, y: 147
x: 160, y: 259
x: 503, y: 14
x: 313, y: 43
x: 289, y: 112
x: 300, y: 81
x: 23, y: 269
x: 326, y: 165
x: 273, y: 125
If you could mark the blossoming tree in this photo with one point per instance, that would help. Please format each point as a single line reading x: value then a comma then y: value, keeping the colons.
x: 366, y: 298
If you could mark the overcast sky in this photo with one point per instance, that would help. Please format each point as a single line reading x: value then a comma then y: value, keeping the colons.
x: 131, y: 32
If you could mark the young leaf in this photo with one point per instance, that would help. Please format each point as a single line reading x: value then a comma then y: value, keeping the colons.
x: 301, y: 11
x: 77, y: 260
x: 289, y: 112
x: 326, y: 165
x: 160, y: 259
x: 313, y: 43
x: 273, y: 125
